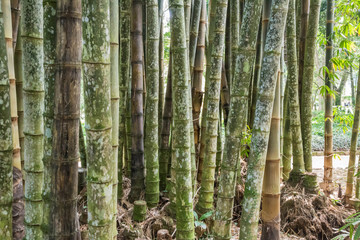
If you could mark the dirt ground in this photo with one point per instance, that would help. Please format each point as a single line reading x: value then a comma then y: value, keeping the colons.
x: 300, y: 204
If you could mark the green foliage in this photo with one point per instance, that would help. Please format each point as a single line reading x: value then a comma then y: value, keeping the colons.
x: 199, y: 222
x: 342, y: 127
x: 246, y: 140
x: 351, y: 229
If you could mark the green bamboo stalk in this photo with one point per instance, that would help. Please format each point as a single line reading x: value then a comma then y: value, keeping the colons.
x: 124, y: 78
x: 64, y: 190
x: 49, y: 107
x: 206, y: 197
x: 262, y: 120
x: 352, y: 87
x: 256, y: 75
x: 197, y: 78
x: 152, y: 105
x: 128, y: 132
x: 235, y: 20
x: 115, y: 102
x: 161, y: 69
x: 295, y: 125
x: 15, y: 19
x: 282, y: 83
x: 82, y: 147
x: 96, y: 75
x: 204, y: 108
x: 194, y: 31
x: 6, y: 143
x: 181, y: 120
x: 137, y: 89
x: 165, y: 147
x: 187, y: 14
x: 264, y: 28
x: 353, y: 146
x: 224, y: 94
x: 340, y: 89
x: 287, y: 146
x: 237, y: 119
x: 328, y: 151
x: 304, y: 22
x: 228, y: 52
x: 33, y: 59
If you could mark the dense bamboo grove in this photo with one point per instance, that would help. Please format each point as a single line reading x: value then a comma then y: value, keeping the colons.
x: 178, y: 119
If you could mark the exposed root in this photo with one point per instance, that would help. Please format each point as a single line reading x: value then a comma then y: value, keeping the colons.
x: 310, y: 216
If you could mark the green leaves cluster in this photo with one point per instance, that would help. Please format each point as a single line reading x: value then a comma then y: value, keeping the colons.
x: 351, y: 229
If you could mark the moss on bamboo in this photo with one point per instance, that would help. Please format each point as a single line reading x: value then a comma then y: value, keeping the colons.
x: 237, y: 119
x: 6, y: 146
x: 307, y: 82
x: 33, y: 93
x: 206, y: 198
x: 197, y: 78
x: 295, y: 124
x: 139, y: 212
x: 49, y: 106
x: 96, y: 69
x: 264, y: 107
x: 181, y: 121
x: 152, y: 105
x: 165, y: 148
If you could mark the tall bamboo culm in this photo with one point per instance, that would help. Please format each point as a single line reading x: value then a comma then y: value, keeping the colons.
x: 245, y: 57
x: 181, y: 123
x: 137, y: 110
x: 307, y: 82
x: 270, y: 213
x: 262, y: 120
x: 197, y: 78
x: 152, y: 104
x: 115, y: 103
x: 6, y: 143
x: 353, y: 146
x: 33, y: 90
x: 124, y: 80
x: 260, y: 51
x: 15, y: 19
x: 295, y: 124
x: 19, y: 232
x: 206, y: 197
x: 287, y: 146
x: 165, y: 148
x: 328, y: 151
x: 11, y: 71
x: 18, y: 204
x: 304, y: 11
x: 96, y: 77
x: 49, y: 108
x: 63, y: 202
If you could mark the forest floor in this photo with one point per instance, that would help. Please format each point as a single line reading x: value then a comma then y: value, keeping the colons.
x: 303, y: 216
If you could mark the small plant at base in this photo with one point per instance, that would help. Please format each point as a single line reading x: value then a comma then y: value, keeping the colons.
x: 199, y: 222
x: 352, y: 223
